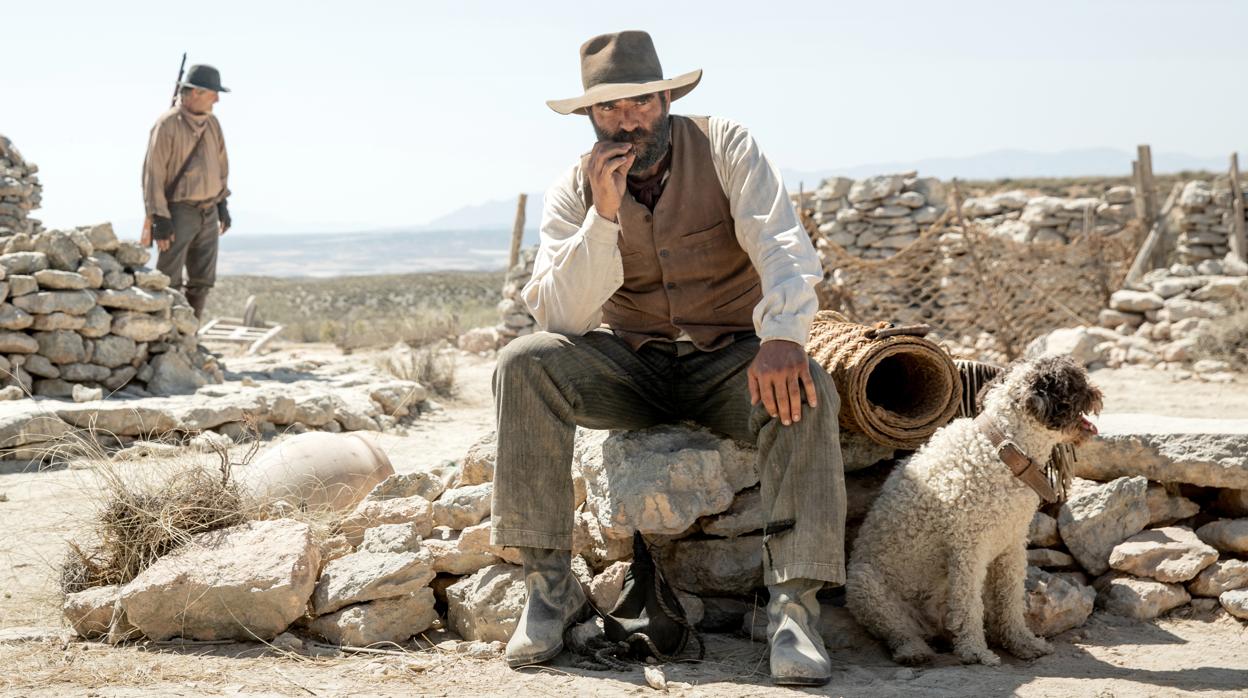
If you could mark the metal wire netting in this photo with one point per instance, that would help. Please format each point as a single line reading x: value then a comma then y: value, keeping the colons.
x: 986, y: 297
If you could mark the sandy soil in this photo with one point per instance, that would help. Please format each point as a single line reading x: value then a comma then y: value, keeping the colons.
x: 1187, y: 653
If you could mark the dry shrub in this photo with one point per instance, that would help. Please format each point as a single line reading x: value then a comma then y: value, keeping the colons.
x: 1227, y: 341
x: 139, y: 521
x: 432, y: 366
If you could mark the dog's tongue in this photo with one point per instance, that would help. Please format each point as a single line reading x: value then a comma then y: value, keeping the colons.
x: 1089, y: 426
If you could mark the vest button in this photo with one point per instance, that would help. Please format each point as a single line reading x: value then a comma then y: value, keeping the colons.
x: 664, y: 253
x: 649, y: 217
x: 671, y: 284
x: 678, y: 319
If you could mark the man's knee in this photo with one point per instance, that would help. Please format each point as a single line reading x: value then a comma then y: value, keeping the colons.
x: 526, y: 353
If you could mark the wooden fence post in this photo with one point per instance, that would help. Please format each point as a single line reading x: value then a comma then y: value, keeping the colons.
x: 517, y: 232
x: 1239, y: 246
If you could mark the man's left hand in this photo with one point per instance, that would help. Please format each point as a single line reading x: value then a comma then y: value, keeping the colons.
x: 774, y: 376
x: 223, y: 216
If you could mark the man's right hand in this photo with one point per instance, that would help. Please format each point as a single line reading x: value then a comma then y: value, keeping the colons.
x: 609, y: 163
x: 162, y: 232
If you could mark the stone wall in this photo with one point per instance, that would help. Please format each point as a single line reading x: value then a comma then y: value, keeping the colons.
x: 1024, y: 218
x: 20, y: 191
x: 81, y: 315
x: 876, y: 217
x: 420, y: 542
x: 1203, y: 220
x: 514, y: 316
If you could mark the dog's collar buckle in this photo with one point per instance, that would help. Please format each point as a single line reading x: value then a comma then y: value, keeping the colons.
x: 1019, y: 463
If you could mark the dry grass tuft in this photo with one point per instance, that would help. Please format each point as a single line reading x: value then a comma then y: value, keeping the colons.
x: 139, y: 521
x: 1227, y: 341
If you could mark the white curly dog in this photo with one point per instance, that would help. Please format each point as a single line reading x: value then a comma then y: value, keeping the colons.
x: 943, y: 547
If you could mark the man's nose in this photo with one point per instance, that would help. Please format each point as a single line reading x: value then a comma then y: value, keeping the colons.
x: 629, y: 121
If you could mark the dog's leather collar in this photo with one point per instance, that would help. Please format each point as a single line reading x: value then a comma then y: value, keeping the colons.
x: 1023, y: 467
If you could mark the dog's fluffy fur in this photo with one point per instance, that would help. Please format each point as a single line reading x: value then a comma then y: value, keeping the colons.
x: 943, y: 547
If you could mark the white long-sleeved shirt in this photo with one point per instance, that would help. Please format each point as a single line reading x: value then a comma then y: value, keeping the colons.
x: 578, y: 265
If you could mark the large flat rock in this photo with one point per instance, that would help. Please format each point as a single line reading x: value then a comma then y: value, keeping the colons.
x: 1205, y: 452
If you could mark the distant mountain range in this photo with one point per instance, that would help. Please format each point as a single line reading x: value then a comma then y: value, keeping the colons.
x: 999, y: 164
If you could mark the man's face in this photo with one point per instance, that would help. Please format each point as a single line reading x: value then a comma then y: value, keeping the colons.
x: 642, y: 121
x: 200, y: 101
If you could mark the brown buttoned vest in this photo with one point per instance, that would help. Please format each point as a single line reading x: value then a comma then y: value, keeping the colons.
x: 684, y: 270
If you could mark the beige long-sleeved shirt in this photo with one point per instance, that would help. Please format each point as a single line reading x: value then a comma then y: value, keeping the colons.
x: 578, y: 265
x: 207, y: 174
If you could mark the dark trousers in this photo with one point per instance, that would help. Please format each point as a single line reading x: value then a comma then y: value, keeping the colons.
x: 546, y: 384
x: 196, y: 232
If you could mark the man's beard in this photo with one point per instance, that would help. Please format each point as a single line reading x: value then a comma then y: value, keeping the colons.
x: 649, y: 146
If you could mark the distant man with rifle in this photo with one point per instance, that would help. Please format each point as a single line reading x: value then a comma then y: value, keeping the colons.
x: 674, y: 282
x: 185, y: 185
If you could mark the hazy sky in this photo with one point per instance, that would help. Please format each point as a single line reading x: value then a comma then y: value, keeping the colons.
x: 364, y: 114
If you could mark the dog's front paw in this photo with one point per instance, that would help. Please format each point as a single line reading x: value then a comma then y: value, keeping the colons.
x: 977, y: 655
x: 913, y: 653
x: 1029, y: 647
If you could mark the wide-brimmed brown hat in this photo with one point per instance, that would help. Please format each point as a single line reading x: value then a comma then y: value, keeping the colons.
x: 620, y: 65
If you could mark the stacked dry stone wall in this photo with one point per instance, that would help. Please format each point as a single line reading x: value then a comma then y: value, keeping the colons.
x: 876, y: 217
x: 1204, y: 219
x: 20, y: 191
x: 1050, y: 219
x: 514, y: 316
x: 81, y: 315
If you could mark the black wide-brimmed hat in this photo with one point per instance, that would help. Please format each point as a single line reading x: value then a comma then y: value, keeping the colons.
x: 620, y: 65
x: 205, y: 77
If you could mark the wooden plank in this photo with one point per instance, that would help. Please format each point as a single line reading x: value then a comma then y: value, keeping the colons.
x: 1238, y: 243
x: 1145, y: 154
x: 517, y: 232
x: 264, y: 339
x: 211, y: 324
x: 1144, y: 258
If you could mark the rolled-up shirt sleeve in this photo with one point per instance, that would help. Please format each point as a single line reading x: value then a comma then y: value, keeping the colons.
x: 578, y: 265
x: 770, y: 233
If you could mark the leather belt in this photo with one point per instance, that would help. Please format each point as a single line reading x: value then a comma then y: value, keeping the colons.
x: 1020, y: 464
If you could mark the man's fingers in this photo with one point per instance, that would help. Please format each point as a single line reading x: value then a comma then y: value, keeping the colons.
x: 605, y: 152
x: 783, y: 410
x: 768, y: 394
x: 809, y: 381
x: 753, y: 381
x: 795, y: 398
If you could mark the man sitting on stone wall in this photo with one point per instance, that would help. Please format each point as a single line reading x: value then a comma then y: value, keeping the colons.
x: 673, y: 282
x: 185, y: 185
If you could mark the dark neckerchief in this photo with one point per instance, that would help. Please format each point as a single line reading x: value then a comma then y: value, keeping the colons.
x: 647, y: 191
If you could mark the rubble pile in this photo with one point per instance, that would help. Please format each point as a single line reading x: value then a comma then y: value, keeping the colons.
x: 261, y: 397
x: 1159, y: 322
x: 20, y: 192
x: 81, y: 315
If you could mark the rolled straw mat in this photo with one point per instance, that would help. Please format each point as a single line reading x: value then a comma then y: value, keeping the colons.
x: 894, y: 387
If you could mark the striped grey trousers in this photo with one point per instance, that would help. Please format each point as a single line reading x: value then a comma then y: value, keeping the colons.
x: 546, y: 384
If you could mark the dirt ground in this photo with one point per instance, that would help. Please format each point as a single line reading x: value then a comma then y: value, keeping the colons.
x: 1187, y: 653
